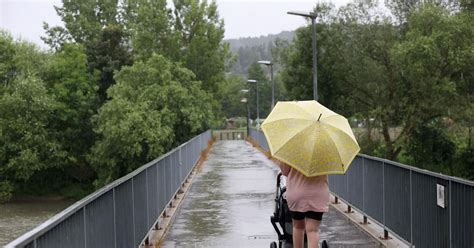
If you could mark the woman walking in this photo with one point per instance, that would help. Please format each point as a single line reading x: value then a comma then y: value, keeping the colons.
x: 308, y: 200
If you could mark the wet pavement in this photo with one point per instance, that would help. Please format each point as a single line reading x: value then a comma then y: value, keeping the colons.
x: 231, y: 201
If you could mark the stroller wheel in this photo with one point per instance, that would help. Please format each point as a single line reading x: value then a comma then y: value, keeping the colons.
x: 273, y: 244
x: 324, y: 244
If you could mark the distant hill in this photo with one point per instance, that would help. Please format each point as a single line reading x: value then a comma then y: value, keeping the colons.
x: 235, y: 44
x: 252, y: 49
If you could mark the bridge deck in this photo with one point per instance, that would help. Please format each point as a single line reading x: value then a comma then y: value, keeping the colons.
x: 231, y: 201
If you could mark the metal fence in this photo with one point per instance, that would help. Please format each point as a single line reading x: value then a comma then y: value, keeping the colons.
x: 259, y: 137
x: 122, y: 213
x: 423, y: 208
x: 229, y: 134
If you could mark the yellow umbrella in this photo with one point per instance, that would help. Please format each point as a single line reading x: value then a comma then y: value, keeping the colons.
x: 310, y: 138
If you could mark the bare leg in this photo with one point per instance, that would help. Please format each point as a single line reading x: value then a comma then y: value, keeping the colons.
x: 312, y: 232
x: 298, y: 233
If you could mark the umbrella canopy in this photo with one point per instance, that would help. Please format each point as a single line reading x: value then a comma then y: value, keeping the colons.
x: 310, y: 138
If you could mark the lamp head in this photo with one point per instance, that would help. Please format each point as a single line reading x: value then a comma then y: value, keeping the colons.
x: 311, y: 15
x: 265, y: 62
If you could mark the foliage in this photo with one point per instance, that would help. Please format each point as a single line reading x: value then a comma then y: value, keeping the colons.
x: 75, y: 91
x: 403, y: 75
x: 128, y: 80
x: 231, y: 95
x: 154, y: 106
x: 149, y: 24
x: 264, y: 92
x: 99, y: 27
x: 200, y: 33
x: 7, y: 53
x: 27, y: 144
x: 431, y: 146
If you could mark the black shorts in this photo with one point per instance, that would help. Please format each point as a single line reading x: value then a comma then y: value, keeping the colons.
x: 309, y: 214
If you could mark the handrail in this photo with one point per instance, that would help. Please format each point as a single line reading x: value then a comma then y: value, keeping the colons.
x: 421, y: 207
x: 419, y: 170
x: 46, y: 226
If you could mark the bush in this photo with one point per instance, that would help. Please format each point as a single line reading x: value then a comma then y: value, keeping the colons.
x: 6, y: 190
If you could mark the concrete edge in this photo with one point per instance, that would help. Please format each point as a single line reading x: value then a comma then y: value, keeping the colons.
x: 371, y: 229
x: 158, y: 236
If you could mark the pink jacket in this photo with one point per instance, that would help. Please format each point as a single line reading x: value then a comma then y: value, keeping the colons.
x: 305, y: 193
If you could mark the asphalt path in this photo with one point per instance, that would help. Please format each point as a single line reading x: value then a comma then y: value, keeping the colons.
x: 231, y: 200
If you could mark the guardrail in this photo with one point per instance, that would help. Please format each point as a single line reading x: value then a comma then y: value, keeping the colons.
x: 122, y: 213
x: 423, y: 208
x: 231, y: 134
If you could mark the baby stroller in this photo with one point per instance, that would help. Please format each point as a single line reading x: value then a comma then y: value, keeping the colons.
x: 281, y: 215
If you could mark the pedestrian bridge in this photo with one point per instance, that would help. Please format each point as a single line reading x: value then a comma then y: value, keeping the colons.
x: 229, y: 198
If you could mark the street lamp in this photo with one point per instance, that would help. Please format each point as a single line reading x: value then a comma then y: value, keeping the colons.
x: 313, y: 16
x: 244, y: 100
x: 269, y: 63
x: 258, y: 113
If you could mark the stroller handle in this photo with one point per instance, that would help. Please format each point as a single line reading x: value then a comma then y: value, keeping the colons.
x: 279, y: 179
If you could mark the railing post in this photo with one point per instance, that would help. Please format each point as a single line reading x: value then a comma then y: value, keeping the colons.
x: 336, y: 200
x: 363, y: 186
x: 411, y: 207
x: 450, y: 221
x: 349, y: 209
x: 133, y: 211
x: 147, y: 200
x: 383, y: 197
x: 85, y: 226
x: 157, y: 225
x: 115, y: 218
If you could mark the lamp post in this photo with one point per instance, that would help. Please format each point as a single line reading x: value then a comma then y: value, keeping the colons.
x: 312, y: 16
x: 269, y: 63
x: 244, y: 100
x: 258, y: 113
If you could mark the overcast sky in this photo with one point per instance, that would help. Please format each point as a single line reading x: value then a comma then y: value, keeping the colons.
x: 243, y: 18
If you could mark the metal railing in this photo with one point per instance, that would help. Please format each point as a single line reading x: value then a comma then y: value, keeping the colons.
x: 229, y: 134
x: 122, y: 213
x: 423, y: 208
x: 258, y: 136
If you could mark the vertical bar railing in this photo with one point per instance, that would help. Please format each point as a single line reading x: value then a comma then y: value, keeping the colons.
x: 404, y: 200
x: 122, y: 213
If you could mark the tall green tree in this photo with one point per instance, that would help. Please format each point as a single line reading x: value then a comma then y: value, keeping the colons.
x: 150, y: 27
x: 155, y: 106
x: 76, y: 92
x: 7, y: 54
x: 264, y: 92
x: 436, y: 57
x: 200, y: 34
x: 297, y: 74
x: 230, y: 93
x: 99, y: 27
x: 400, y: 76
x: 27, y: 144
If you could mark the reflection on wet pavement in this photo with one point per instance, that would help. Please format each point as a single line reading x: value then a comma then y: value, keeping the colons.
x: 231, y: 201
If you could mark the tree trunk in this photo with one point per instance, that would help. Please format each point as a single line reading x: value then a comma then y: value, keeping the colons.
x: 392, y: 152
x: 369, y: 131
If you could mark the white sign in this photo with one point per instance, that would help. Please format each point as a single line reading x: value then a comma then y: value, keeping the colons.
x: 440, y: 195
